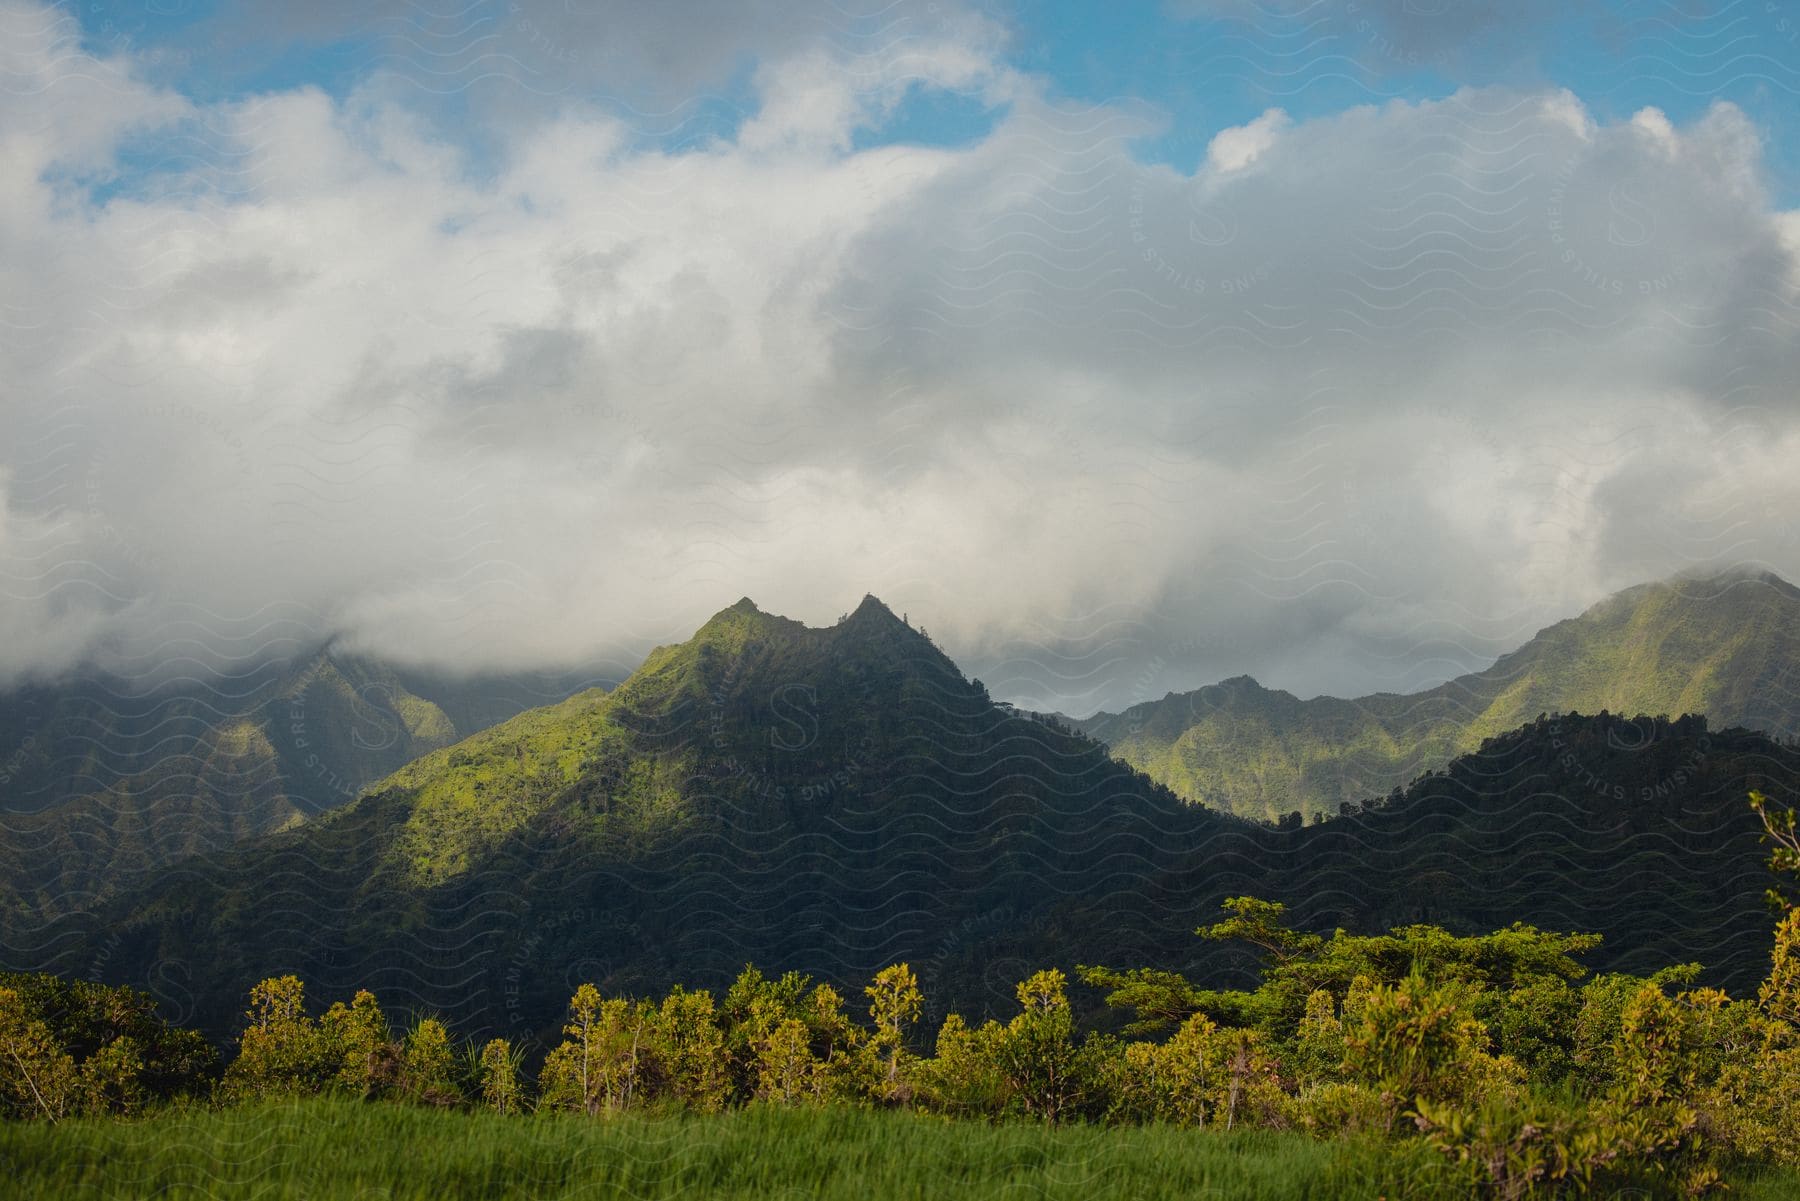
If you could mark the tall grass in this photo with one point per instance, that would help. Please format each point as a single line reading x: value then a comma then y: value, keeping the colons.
x: 338, y: 1148
x: 335, y: 1148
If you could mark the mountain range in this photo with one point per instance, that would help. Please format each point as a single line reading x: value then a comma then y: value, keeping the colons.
x: 833, y: 800
x: 1726, y: 646
x: 103, y: 781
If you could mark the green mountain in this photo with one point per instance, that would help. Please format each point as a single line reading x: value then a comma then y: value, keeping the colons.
x: 828, y: 799
x: 1635, y: 828
x: 1727, y: 646
x: 834, y: 800
x: 102, y: 782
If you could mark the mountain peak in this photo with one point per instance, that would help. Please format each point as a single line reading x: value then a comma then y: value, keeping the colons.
x: 1712, y: 594
x: 872, y: 609
x: 735, y: 616
x: 1742, y: 573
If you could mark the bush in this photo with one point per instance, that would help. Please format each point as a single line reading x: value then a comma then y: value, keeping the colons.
x: 37, y: 1077
x: 1510, y: 1149
x: 1337, y: 1109
x: 281, y: 1051
x: 1418, y: 1042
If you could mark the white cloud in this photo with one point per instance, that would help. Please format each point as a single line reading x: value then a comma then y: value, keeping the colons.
x: 1236, y: 148
x: 1564, y: 108
x: 1427, y: 372
x: 1654, y: 124
x: 817, y: 100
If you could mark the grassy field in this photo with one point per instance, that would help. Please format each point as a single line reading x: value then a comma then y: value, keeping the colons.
x: 334, y: 1149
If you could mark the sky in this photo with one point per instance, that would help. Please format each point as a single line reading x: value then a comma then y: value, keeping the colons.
x: 1126, y: 348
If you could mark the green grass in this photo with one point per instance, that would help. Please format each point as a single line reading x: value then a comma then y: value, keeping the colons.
x: 342, y: 1148
x: 331, y: 1149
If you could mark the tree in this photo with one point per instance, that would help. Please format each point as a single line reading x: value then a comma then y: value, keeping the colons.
x: 112, y: 1078
x: 83, y: 1018
x: 894, y: 1004
x: 1783, y: 830
x: 1261, y: 923
x: 1779, y: 995
x: 748, y: 1013
x: 964, y: 1076
x: 602, y: 1065
x: 1037, y: 1056
x: 357, y: 1038
x: 427, y: 1063
x: 1419, y: 1040
x: 622, y: 1039
x: 786, y: 1070
x: 691, y: 1049
x: 37, y: 1077
x: 834, y: 1035
x: 1160, y: 999
x: 1319, y: 1044
x: 499, y: 1076
x: 1194, y: 1074
x: 280, y: 1051
x: 584, y: 1015
x: 559, y: 1080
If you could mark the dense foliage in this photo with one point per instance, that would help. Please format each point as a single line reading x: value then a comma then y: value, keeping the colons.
x: 71, y: 1046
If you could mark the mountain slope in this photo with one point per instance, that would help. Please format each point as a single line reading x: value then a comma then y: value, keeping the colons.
x: 103, y: 782
x: 825, y: 799
x: 1634, y: 828
x: 1727, y: 646
x: 833, y: 800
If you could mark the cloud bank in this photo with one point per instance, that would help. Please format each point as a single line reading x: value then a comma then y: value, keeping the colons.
x: 1359, y: 402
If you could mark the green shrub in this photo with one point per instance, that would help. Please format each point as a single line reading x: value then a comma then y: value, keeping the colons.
x: 281, y: 1051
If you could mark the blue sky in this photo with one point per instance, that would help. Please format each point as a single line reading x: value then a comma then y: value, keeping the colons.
x: 1200, y: 66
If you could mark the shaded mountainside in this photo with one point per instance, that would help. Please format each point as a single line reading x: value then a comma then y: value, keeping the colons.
x: 834, y: 800
x: 1725, y: 646
x: 1634, y: 828
x: 101, y: 782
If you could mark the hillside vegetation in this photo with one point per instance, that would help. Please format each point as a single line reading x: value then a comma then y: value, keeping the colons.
x: 1726, y: 647
x: 103, y: 782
